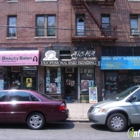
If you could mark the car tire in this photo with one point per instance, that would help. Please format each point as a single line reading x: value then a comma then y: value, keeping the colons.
x: 117, y: 122
x: 35, y: 121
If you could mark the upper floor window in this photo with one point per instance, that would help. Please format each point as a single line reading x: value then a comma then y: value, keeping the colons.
x: 134, y: 29
x: 105, y: 21
x: 45, y: 25
x: 11, y: 29
x: 80, y: 25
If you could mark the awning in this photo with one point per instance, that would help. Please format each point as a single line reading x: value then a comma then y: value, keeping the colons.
x: 19, y: 58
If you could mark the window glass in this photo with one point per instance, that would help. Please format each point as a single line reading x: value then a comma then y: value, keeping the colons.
x: 137, y: 96
x: 19, y: 96
x: 40, y: 25
x: 33, y: 98
x: 45, y: 25
x: 3, y: 95
x: 80, y: 25
x: 134, y: 23
x: 11, y: 26
x: 51, y: 26
x: 105, y: 19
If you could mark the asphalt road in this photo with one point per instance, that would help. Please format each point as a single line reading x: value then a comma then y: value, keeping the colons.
x: 61, y: 131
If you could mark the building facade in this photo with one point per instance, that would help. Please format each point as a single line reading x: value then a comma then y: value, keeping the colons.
x: 64, y: 47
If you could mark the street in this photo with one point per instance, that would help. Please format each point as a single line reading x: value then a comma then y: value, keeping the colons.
x: 60, y: 131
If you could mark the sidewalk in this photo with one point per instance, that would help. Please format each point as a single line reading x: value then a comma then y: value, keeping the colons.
x: 78, y: 111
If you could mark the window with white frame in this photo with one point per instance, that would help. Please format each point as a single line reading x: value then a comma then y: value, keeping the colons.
x: 45, y: 25
x: 80, y: 25
x: 11, y: 28
x: 134, y: 29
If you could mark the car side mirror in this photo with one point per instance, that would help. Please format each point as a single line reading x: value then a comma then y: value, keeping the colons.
x: 132, y: 98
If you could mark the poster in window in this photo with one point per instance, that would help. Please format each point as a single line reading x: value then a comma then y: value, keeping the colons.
x: 93, y: 98
x: 85, y: 86
x: 53, y: 88
x: 28, y: 82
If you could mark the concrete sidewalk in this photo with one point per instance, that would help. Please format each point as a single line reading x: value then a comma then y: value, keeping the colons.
x: 78, y: 111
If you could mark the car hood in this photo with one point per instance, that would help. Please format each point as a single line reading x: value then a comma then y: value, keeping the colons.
x: 106, y: 103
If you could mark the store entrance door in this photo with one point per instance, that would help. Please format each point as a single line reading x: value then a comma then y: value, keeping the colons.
x: 70, y: 79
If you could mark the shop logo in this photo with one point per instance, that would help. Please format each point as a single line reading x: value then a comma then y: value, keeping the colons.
x: 50, y: 55
x: 35, y: 59
x: 132, y: 133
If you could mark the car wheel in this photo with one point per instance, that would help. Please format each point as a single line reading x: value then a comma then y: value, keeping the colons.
x: 116, y: 122
x: 35, y: 121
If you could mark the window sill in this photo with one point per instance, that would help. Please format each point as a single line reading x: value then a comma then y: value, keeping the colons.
x: 12, y: 1
x: 42, y: 37
x: 11, y: 37
x: 134, y: 36
x: 44, y: 0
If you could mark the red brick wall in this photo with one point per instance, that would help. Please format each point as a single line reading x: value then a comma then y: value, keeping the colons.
x: 26, y: 11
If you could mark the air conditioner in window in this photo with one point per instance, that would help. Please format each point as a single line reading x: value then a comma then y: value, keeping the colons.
x: 135, y: 32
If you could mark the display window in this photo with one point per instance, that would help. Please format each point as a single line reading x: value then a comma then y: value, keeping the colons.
x: 86, y: 79
x: 53, y: 80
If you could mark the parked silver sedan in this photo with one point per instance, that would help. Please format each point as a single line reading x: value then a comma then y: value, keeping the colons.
x: 118, y: 112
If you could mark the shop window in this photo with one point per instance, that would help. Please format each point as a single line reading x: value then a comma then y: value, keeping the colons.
x: 87, y: 79
x: 53, y: 80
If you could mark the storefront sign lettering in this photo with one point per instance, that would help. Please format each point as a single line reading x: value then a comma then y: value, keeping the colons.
x: 65, y: 63
x: 83, y: 54
x: 19, y: 58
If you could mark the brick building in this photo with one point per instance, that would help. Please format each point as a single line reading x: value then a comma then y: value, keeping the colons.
x: 63, y: 47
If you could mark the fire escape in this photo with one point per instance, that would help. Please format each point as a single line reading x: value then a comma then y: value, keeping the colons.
x: 100, y: 33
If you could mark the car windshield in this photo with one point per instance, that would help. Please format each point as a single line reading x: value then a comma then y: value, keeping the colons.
x: 124, y: 93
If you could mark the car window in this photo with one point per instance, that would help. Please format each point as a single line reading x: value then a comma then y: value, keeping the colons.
x: 19, y: 96
x: 33, y: 98
x: 137, y: 96
x: 125, y: 93
x: 3, y: 95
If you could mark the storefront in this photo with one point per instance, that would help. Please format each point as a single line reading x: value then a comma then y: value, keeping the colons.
x: 18, y: 69
x: 67, y: 74
x: 120, y: 72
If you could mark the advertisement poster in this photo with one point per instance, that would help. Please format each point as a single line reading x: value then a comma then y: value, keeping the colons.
x: 93, y: 97
x: 1, y: 84
x: 58, y: 80
x: 53, y: 88
x: 85, y: 86
x: 28, y: 82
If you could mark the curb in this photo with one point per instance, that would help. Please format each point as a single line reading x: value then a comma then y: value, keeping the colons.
x: 77, y: 120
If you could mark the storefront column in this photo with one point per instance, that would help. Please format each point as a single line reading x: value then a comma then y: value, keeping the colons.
x: 79, y: 89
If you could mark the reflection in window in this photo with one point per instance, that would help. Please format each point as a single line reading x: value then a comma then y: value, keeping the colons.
x: 80, y: 29
x: 45, y: 25
x: 19, y: 96
x: 3, y: 95
x: 12, y: 26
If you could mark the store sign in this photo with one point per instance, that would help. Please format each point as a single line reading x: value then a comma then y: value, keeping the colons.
x: 19, y: 58
x: 85, y: 55
x: 120, y: 62
x: 51, y: 57
x: 65, y: 63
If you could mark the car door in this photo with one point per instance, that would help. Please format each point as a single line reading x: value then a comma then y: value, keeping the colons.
x: 3, y: 95
x: 135, y: 108
x: 17, y: 106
